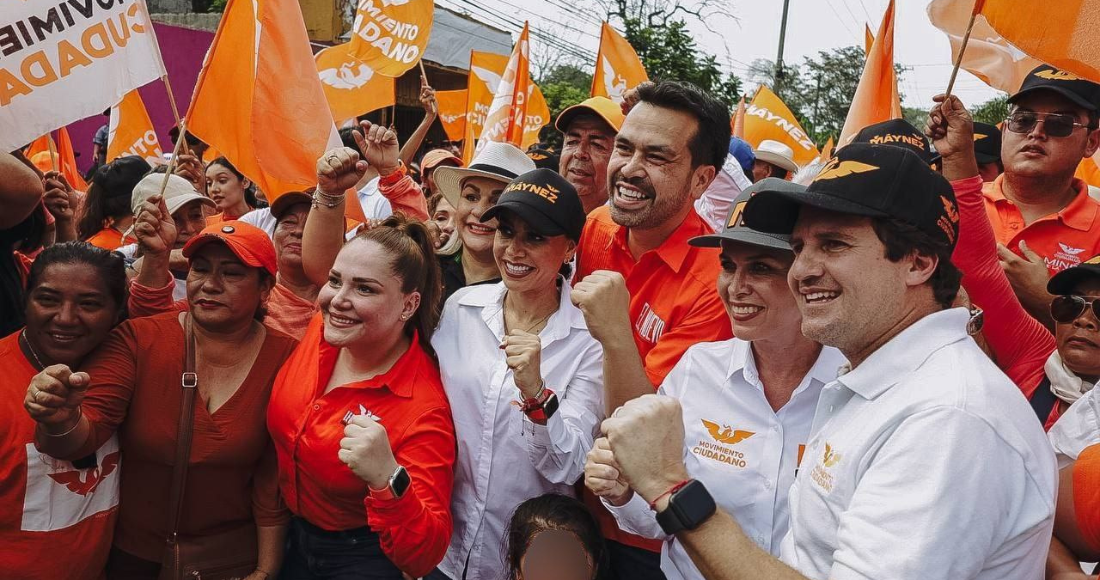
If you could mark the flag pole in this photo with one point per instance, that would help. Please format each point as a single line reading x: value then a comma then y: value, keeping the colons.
x: 175, y: 155
x: 978, y: 4
x: 172, y: 102
x: 53, y: 153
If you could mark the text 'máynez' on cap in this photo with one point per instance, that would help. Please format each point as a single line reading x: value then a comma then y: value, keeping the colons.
x: 869, y: 180
x: 546, y: 201
x: 899, y: 133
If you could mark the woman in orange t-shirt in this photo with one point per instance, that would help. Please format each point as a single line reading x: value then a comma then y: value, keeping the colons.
x: 234, y: 194
x: 132, y: 386
x: 57, y: 517
x: 358, y: 414
x: 106, y: 214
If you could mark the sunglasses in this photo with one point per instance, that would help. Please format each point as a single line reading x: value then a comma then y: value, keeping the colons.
x: 1055, y: 124
x: 1066, y: 309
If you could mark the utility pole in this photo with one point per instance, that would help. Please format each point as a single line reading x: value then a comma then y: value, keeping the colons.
x: 779, y: 58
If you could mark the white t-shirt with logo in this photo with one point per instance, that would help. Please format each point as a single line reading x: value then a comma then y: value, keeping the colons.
x: 925, y: 463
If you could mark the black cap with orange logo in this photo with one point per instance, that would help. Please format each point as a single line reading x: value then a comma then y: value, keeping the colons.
x: 736, y: 230
x: 546, y: 201
x: 869, y: 180
x: 900, y: 133
x: 1080, y: 91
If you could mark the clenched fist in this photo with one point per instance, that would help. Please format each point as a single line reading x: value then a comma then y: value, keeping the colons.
x: 523, y: 351
x: 54, y: 396
x: 605, y: 302
x: 602, y: 476
x: 154, y: 227
x: 365, y: 449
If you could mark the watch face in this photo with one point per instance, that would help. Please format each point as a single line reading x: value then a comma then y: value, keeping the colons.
x: 400, y: 482
x: 551, y: 405
x: 693, y: 504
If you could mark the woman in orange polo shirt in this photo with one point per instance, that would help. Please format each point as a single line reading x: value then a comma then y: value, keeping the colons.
x: 106, y: 212
x: 132, y: 386
x: 234, y: 193
x: 76, y: 294
x: 360, y: 421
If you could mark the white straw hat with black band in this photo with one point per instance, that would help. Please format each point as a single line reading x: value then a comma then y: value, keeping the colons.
x: 499, y: 161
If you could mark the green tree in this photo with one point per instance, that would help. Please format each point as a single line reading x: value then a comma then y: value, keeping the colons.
x: 563, y: 85
x: 917, y: 117
x: 992, y: 111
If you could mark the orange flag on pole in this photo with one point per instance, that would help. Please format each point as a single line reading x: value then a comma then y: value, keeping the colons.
x: 768, y: 117
x: 452, y: 113
x: 876, y: 97
x: 868, y: 39
x: 508, y: 112
x: 131, y: 131
x: 486, y: 70
x: 988, y: 55
x: 390, y: 36
x: 468, y: 145
x: 1061, y: 33
x: 618, y: 68
x: 271, y: 131
x: 351, y: 87
x: 737, y: 124
x: 66, y: 161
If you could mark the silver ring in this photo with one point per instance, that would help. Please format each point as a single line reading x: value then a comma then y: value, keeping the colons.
x: 34, y: 397
x: 332, y: 158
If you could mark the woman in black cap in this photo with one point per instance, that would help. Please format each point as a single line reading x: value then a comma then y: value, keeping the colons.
x: 523, y: 375
x: 107, y: 211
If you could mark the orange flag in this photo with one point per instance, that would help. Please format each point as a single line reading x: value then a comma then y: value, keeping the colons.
x: 876, y: 97
x: 131, y: 131
x: 988, y: 55
x: 390, y: 36
x: 507, y: 114
x: 737, y: 123
x: 486, y: 71
x: 1062, y: 33
x: 468, y: 145
x: 618, y: 68
x: 43, y: 144
x: 271, y: 131
x: 868, y: 39
x: 351, y: 87
x: 66, y: 161
x: 452, y: 113
x: 767, y: 117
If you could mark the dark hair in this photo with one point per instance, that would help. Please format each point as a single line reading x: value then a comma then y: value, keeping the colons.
x: 410, y: 244
x: 249, y: 192
x: 109, y: 266
x: 710, y: 144
x: 102, y: 204
x: 24, y: 237
x: 553, y: 511
x: 777, y: 171
x: 902, y: 239
x: 1094, y: 120
x: 348, y: 139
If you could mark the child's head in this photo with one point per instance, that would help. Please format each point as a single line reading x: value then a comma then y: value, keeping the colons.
x: 554, y: 537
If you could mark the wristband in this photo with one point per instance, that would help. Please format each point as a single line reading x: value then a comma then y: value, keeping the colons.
x: 394, y: 176
x: 671, y: 490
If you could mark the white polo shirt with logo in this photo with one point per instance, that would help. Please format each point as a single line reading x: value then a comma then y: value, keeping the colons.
x: 925, y: 462
x: 746, y: 453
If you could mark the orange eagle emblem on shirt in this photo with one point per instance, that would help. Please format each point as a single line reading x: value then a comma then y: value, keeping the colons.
x: 831, y: 457
x: 725, y: 433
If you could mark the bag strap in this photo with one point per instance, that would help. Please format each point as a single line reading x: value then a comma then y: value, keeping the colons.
x: 189, y: 381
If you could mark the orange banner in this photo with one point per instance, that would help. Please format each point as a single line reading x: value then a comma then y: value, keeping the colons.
x: 486, y: 71
x: 452, y: 113
x: 618, y: 68
x: 769, y: 118
x: 876, y: 99
x: 242, y: 106
x: 131, y: 131
x: 988, y: 55
x: 66, y: 161
x: 1061, y: 33
x: 351, y: 87
x: 390, y: 36
x: 508, y: 112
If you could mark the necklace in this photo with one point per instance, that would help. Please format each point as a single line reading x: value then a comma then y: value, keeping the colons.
x: 30, y: 348
x: 536, y: 324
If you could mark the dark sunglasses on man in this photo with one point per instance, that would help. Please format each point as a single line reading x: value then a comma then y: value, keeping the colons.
x: 1054, y: 124
x: 1066, y: 309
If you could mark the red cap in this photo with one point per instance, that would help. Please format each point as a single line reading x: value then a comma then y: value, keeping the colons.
x: 249, y: 243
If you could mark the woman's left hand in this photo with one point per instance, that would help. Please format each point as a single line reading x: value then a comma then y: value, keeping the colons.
x: 523, y: 351
x: 258, y: 575
x: 365, y: 449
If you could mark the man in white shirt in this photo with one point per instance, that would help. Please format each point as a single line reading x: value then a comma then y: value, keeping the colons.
x: 748, y: 402
x: 924, y: 461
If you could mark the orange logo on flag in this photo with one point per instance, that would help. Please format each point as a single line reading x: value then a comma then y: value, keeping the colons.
x: 725, y: 433
x: 876, y: 98
x: 618, y: 68
x: 131, y: 131
x: 351, y: 87
x: 769, y: 118
x: 389, y: 36
x: 242, y: 105
x: 452, y: 112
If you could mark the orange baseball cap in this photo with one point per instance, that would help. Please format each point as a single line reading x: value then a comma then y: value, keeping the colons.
x: 602, y: 107
x: 433, y: 158
x: 249, y: 243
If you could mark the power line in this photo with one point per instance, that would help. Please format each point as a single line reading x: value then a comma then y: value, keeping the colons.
x: 510, y: 24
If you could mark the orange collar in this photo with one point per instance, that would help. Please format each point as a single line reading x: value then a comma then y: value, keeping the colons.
x: 1080, y: 214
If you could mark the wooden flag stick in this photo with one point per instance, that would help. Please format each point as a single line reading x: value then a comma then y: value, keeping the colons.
x: 962, y: 49
x: 172, y: 102
x: 53, y: 153
x: 423, y: 73
x: 175, y: 157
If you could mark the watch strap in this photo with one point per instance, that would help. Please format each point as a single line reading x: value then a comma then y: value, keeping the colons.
x: 687, y: 509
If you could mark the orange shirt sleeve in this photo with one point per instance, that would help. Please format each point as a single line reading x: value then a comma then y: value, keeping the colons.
x: 267, y: 504
x: 405, y: 197
x: 415, y: 530
x: 706, y: 322
x: 1086, y: 495
x: 146, y: 301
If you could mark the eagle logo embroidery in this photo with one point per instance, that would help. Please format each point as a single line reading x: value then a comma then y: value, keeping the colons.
x: 725, y: 433
x: 84, y: 486
x: 831, y: 457
x: 949, y: 210
x: 979, y: 136
x: 837, y: 169
x: 1057, y: 75
x: 1070, y: 249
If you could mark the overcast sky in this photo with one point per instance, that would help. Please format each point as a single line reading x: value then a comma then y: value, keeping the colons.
x: 813, y: 25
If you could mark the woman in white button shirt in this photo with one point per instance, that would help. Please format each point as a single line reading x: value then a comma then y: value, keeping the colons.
x: 748, y: 403
x: 523, y: 375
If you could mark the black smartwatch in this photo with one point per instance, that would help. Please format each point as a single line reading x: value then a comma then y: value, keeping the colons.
x: 687, y: 509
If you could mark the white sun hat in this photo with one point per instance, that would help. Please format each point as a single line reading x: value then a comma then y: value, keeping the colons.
x: 500, y: 161
x: 777, y: 154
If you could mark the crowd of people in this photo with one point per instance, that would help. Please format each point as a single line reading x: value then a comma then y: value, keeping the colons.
x: 672, y: 356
